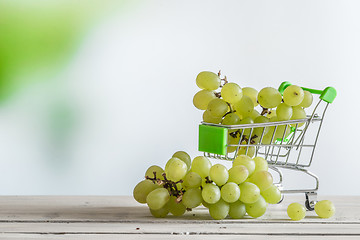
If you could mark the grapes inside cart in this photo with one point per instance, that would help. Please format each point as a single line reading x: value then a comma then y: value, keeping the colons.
x: 256, y: 131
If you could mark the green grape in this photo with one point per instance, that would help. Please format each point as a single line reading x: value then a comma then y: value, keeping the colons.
x: 201, y: 165
x: 205, y: 204
x: 246, y: 120
x: 293, y: 95
x: 245, y: 161
x: 192, y: 198
x: 142, y: 189
x: 272, y: 195
x: 219, y: 210
x: 256, y: 209
x: 261, y: 119
x: 244, y: 107
x: 254, y: 114
x: 325, y: 209
x: 175, y: 169
x: 157, y: 198
x: 238, y: 174
x: 260, y: 130
x: 192, y: 180
x: 242, y: 150
x: 160, y: 213
x: 267, y: 138
x: 175, y: 208
x: 219, y: 174
x: 250, y: 152
x: 271, y: 114
x: 207, y: 117
x: 307, y: 101
x: 230, y: 192
x: 211, y: 193
x: 208, y: 80
x: 269, y: 97
x: 217, y: 107
x: 296, y: 211
x: 150, y: 172
x: 262, y: 179
x: 233, y: 141
x: 231, y: 93
x: 251, y: 93
x: 249, y: 192
x: 183, y: 156
x: 231, y: 119
x: 202, y: 98
x: 281, y: 130
x: 298, y: 113
x: 283, y: 112
x: 237, y: 210
x: 260, y: 164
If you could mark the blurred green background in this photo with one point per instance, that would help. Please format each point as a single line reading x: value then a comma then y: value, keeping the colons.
x: 37, y: 38
x: 93, y: 92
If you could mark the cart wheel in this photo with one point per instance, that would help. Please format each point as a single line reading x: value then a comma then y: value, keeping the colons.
x: 310, y: 200
x: 282, y: 198
x: 308, y: 205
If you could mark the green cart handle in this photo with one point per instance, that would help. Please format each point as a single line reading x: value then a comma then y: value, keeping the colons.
x: 328, y: 94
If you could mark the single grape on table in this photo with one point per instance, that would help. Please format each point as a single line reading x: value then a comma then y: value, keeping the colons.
x: 325, y: 209
x: 296, y: 211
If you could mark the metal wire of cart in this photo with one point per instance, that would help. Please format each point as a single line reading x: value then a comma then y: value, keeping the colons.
x: 283, y: 144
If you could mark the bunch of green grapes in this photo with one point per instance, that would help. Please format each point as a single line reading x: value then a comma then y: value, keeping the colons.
x: 246, y: 188
x: 227, y: 103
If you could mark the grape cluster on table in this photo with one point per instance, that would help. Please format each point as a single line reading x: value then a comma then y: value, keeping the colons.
x: 247, y: 187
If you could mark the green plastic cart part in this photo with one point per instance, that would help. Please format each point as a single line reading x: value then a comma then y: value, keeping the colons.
x: 327, y: 95
x: 287, y: 138
x: 213, y: 139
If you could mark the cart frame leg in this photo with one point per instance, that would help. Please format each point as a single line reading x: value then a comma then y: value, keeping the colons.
x: 310, y: 194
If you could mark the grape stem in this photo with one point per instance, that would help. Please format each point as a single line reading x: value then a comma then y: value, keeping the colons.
x: 207, y: 180
x: 231, y: 109
x: 169, y: 185
x: 224, y: 80
x: 244, y: 138
x: 218, y: 94
x: 264, y: 111
x: 252, y: 139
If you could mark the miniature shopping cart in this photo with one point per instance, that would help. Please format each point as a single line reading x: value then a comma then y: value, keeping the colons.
x: 293, y: 150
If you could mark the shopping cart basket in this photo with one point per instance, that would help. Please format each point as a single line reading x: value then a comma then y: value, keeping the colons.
x: 284, y: 144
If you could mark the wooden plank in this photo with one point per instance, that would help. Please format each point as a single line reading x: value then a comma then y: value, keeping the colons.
x: 156, y: 237
x: 239, y: 228
x: 125, y: 209
x: 90, y: 217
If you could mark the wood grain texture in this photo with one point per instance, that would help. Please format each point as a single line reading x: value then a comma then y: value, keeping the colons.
x: 120, y: 217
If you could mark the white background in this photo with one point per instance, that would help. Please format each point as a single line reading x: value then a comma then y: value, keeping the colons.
x: 129, y: 89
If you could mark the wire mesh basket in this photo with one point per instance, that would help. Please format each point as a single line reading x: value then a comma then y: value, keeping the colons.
x: 284, y: 144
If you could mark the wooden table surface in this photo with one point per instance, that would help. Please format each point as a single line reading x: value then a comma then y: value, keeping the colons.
x: 120, y: 217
